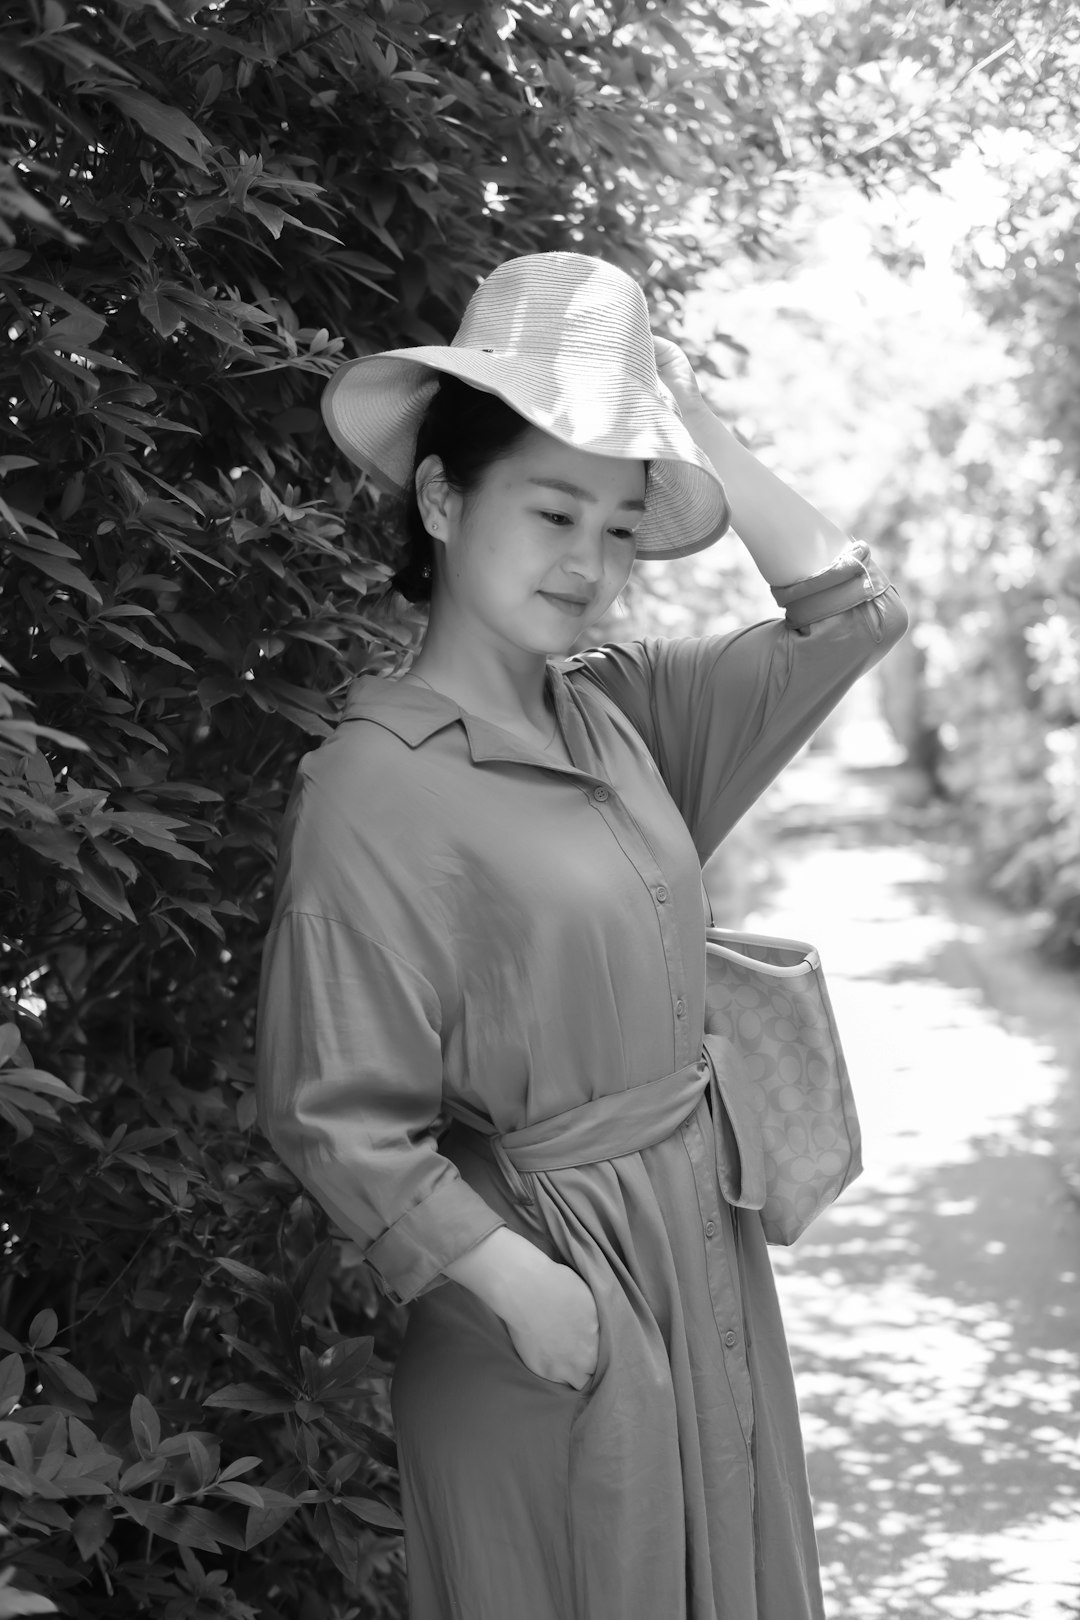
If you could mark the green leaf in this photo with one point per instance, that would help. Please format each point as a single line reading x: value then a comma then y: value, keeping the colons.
x: 343, y: 1371
x: 247, y: 1110
x: 57, y: 568
x: 133, y: 638
x: 46, y: 1515
x: 201, y: 312
x: 371, y: 1511
x: 309, y: 1282
x: 204, y: 1464
x: 40, y: 1080
x: 142, y: 1473
x: 10, y: 1041
x: 269, y: 214
x: 160, y: 311
x: 188, y: 1526
x: 16, y: 1119
x: 72, y: 1379
x: 14, y: 1602
x: 91, y: 1528
x: 242, y: 1465
x: 30, y: 1101
x: 12, y: 1383
x: 252, y: 1281
x: 51, y: 294
x: 75, y: 332
x: 40, y: 538
x: 53, y: 844
x: 335, y: 1530
x: 354, y: 1433
x: 145, y: 1426
x: 168, y: 125
x: 258, y: 1358
x: 249, y: 1398
x: 267, y: 1521
x: 18, y: 1480
x: 237, y: 1491
x: 102, y: 887
x: 43, y: 1329
x: 340, y: 1472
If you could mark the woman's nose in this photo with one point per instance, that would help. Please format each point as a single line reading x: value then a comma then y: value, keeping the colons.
x: 586, y: 555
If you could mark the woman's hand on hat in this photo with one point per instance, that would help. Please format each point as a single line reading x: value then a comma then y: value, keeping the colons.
x: 679, y: 378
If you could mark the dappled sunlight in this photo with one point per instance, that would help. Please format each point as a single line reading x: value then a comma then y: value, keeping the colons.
x: 933, y: 1312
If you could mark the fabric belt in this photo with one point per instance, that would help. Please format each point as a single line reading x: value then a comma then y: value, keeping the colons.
x: 606, y: 1127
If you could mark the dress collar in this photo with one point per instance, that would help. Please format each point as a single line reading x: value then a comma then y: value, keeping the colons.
x: 415, y: 713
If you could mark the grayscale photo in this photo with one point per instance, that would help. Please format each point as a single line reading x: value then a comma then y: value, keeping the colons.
x: 540, y: 810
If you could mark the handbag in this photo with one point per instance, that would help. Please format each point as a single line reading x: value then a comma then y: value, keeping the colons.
x: 788, y: 1137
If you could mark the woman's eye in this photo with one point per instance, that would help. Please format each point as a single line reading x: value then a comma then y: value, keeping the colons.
x: 559, y: 518
x: 624, y: 534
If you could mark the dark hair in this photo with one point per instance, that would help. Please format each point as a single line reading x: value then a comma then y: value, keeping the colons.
x: 469, y: 431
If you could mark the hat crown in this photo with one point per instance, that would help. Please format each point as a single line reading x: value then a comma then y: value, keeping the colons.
x: 568, y: 308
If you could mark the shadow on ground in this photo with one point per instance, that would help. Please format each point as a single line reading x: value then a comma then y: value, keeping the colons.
x: 934, y: 1312
x: 940, y: 1393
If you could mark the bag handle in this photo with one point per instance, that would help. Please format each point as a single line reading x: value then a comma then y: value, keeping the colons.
x: 731, y: 944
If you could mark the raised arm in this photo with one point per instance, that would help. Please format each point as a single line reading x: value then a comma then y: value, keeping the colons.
x: 788, y: 538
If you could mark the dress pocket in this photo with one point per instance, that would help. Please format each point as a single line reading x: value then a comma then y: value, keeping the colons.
x: 555, y: 1383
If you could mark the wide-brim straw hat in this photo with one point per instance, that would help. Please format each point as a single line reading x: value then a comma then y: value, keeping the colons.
x: 565, y: 340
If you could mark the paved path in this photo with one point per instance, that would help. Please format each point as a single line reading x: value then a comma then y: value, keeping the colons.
x: 934, y: 1312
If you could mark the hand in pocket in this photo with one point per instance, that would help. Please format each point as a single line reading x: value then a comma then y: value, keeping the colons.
x: 554, y: 1325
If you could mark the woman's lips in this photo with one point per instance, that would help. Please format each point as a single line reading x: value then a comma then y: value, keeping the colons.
x: 569, y: 604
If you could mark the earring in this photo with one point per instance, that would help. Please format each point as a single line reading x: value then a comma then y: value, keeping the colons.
x: 425, y: 572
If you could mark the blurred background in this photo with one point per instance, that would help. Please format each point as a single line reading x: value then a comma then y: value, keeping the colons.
x: 862, y: 221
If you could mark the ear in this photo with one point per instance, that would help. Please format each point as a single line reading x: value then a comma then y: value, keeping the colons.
x: 434, y: 497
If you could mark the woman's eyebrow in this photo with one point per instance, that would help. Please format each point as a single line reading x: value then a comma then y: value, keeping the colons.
x: 580, y: 494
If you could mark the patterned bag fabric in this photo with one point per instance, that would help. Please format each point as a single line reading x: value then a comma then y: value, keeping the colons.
x: 788, y: 1138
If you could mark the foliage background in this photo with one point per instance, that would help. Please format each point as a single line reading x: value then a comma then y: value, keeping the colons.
x: 201, y: 209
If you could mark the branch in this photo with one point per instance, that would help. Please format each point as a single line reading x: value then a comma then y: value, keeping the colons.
x: 907, y: 124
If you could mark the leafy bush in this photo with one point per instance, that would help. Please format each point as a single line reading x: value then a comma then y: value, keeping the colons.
x: 201, y: 209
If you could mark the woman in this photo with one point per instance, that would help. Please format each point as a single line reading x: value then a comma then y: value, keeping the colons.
x: 490, y: 911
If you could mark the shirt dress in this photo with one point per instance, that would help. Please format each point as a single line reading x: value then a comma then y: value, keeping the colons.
x: 470, y: 937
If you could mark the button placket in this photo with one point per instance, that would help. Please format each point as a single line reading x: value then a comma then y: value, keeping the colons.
x: 635, y: 847
x: 721, y: 1264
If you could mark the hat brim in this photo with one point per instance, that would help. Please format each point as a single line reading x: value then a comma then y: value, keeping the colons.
x: 373, y: 408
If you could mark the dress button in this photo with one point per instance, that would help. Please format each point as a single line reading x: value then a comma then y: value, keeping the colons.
x: 661, y: 894
x: 867, y: 586
x: 710, y: 1228
x: 600, y: 794
x: 731, y: 1338
x: 680, y: 1008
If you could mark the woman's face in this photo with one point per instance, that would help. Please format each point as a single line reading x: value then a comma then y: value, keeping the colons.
x: 542, y: 547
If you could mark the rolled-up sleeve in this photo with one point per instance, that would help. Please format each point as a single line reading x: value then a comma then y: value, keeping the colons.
x: 349, y: 1085
x: 722, y: 715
